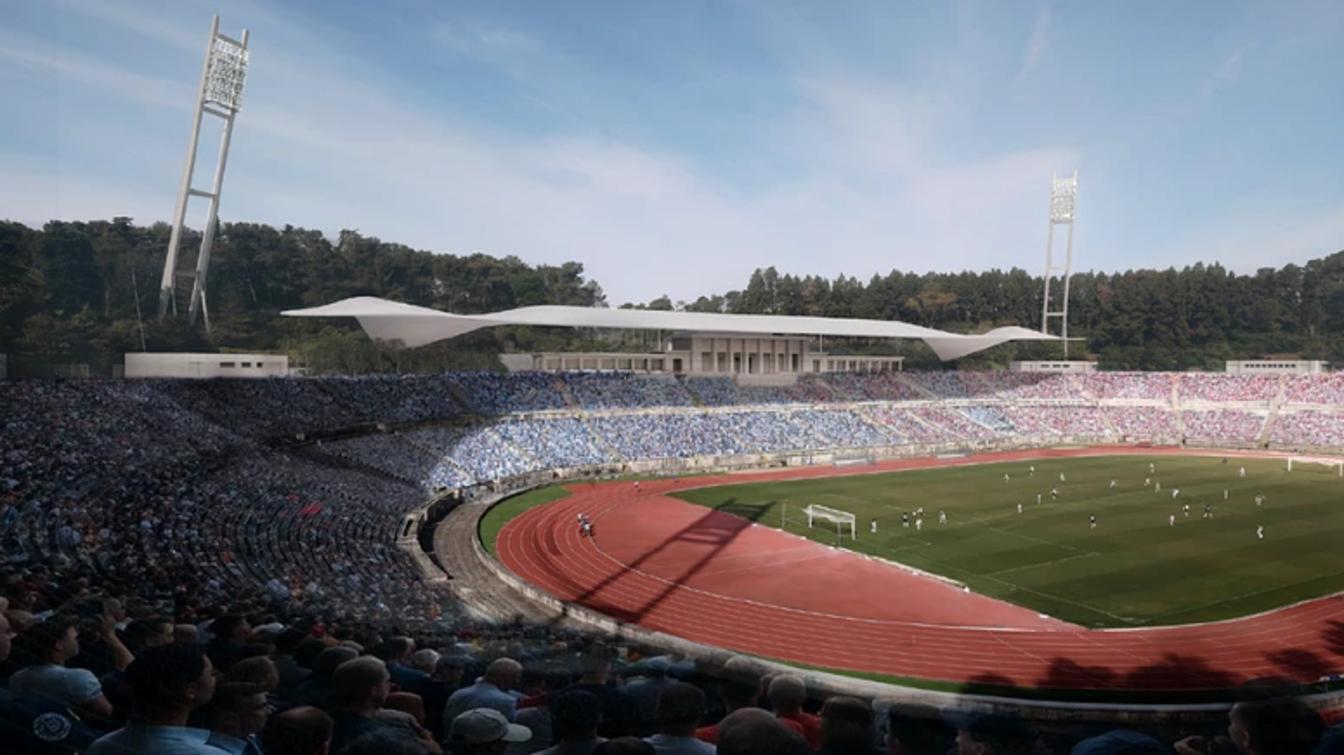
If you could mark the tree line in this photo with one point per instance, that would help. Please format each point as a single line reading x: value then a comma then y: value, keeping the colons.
x: 87, y: 292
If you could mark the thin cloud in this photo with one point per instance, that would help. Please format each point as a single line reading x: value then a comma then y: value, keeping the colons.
x: 1040, y: 32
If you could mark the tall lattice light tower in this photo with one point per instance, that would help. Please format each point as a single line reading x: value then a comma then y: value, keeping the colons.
x: 1063, y: 201
x: 221, y: 95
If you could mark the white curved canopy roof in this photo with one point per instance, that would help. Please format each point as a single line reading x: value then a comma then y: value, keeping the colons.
x: 416, y: 326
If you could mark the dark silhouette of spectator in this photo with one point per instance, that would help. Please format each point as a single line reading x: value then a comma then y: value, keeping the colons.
x: 917, y: 729
x: 445, y: 680
x: 1121, y: 742
x: 680, y: 708
x: 317, y: 689
x: 847, y: 727
x: 20, y: 730
x: 575, y: 716
x: 235, y: 715
x: 167, y: 684
x: 624, y: 746
x: 995, y: 734
x: 384, y: 743
x: 288, y: 663
x: 753, y: 731
x: 298, y: 731
x: 1275, y: 726
x: 229, y: 643
x: 395, y: 652
x: 620, y: 715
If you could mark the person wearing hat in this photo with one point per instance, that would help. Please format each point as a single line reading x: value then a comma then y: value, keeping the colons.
x: 993, y: 734
x: 484, y: 731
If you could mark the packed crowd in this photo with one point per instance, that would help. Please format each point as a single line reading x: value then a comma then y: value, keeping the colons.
x: 1308, y: 430
x: 1217, y: 387
x: 153, y: 514
x: 88, y: 671
x: 1223, y: 425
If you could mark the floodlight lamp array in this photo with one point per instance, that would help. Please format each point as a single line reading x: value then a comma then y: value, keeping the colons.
x: 1063, y: 195
x: 226, y: 73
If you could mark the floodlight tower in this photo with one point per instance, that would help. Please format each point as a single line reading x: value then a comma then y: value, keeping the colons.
x: 1063, y: 198
x: 220, y: 94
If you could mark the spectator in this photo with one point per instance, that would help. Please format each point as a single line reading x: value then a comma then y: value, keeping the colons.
x: 739, y: 684
x: 317, y: 690
x: 680, y: 708
x: 484, y: 731
x: 445, y: 680
x: 286, y: 657
x: 1121, y: 742
x: 396, y: 652
x: 298, y: 731
x: 649, y: 686
x: 234, y: 716
x: 997, y: 734
x: 142, y: 634
x: 752, y: 731
x: 915, y: 729
x: 424, y: 660
x: 787, y: 693
x: 620, y: 715
x: 624, y: 746
x: 167, y: 683
x: 1277, y: 726
x: 360, y: 688
x: 575, y: 717
x: 490, y: 691
x: 44, y: 648
x: 847, y: 728
x: 18, y: 733
x: 229, y: 644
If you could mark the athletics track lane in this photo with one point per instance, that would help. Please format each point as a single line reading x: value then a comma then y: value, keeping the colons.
x: 712, y: 578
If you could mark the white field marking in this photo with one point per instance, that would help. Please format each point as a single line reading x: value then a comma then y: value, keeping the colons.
x: 1250, y: 594
x: 1074, y: 557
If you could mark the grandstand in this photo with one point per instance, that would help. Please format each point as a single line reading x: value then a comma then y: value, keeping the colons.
x: 309, y: 494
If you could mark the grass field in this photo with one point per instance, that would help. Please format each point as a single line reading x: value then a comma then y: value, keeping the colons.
x: 495, y: 519
x: 1133, y: 569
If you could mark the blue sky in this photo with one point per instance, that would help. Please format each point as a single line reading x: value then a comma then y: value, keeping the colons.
x: 673, y: 147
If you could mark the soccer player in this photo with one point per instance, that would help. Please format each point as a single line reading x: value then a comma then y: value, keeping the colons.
x: 1061, y: 477
x: 1224, y: 494
x: 1092, y: 521
x: 1241, y: 472
x: 1152, y: 468
x: 1259, y: 498
x: 1175, y: 492
x: 1054, y: 493
x: 919, y: 523
x: 1208, y: 512
x: 1186, y: 510
x: 872, y: 527
x: 1260, y: 532
x: 636, y: 486
x: 1147, y: 481
x: 1005, y: 477
x: 1112, y: 484
x: 1171, y: 520
x: 1032, y: 470
x: 942, y: 515
x: 1038, y: 499
x: 905, y: 519
x: 1019, y: 508
x: 1157, y: 487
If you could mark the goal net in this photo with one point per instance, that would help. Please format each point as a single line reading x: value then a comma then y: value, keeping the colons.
x: 817, y: 512
x: 1336, y: 466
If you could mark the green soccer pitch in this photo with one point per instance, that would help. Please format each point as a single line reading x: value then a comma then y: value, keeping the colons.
x: 1134, y: 568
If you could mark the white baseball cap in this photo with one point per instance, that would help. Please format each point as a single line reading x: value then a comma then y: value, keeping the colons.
x: 484, y: 725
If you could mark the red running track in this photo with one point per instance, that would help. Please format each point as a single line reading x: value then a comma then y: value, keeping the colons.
x: 720, y: 580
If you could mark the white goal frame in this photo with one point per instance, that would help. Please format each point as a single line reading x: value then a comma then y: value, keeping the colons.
x: 1336, y: 464
x: 816, y: 511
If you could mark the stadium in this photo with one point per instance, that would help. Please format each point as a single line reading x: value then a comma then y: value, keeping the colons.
x: 340, y: 496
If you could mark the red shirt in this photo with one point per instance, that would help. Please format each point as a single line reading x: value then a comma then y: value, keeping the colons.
x: 810, y: 724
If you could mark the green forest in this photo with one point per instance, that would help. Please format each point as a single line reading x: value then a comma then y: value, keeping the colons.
x: 68, y: 294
